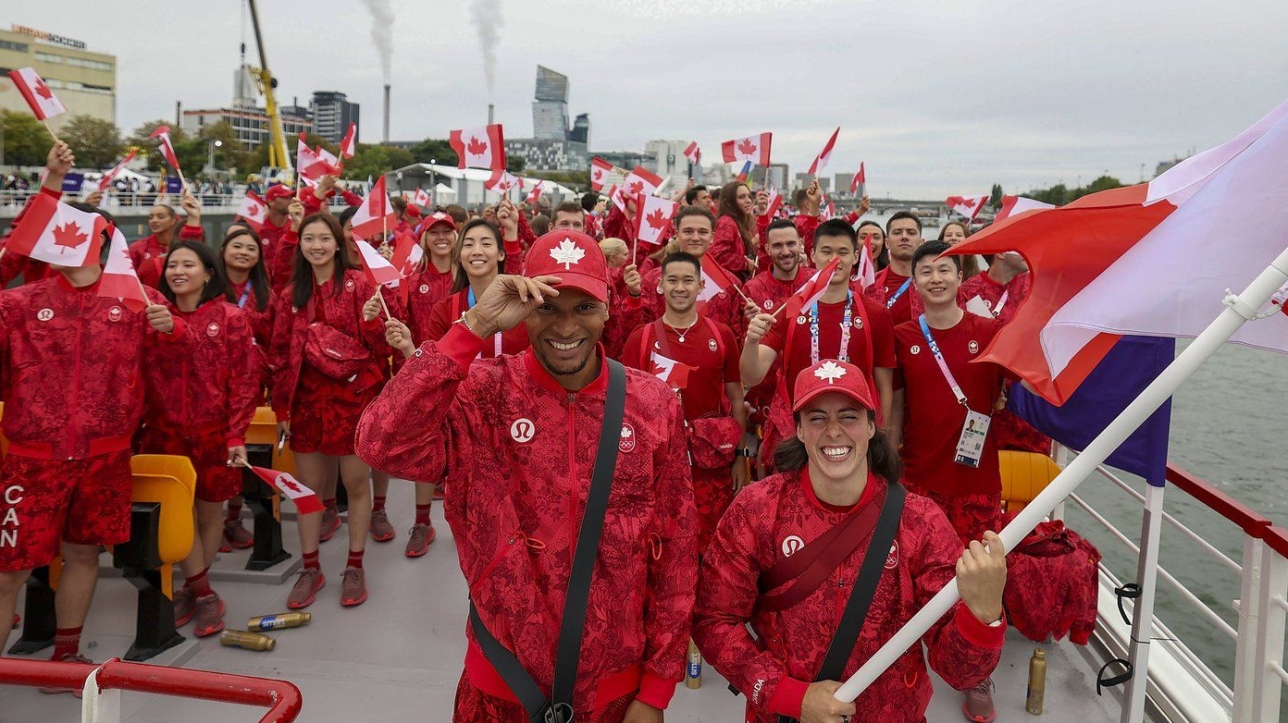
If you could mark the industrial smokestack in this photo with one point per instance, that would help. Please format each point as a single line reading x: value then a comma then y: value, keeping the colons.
x: 490, y: 108
x: 385, y: 139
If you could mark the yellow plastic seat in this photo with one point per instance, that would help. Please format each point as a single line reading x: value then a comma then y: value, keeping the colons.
x: 1024, y: 475
x: 172, y: 481
x: 263, y: 430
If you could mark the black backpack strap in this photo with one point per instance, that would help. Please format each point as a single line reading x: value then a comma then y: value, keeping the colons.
x: 865, y: 588
x: 558, y: 708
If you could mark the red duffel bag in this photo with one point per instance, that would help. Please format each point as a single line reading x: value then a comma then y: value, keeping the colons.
x: 1051, y: 584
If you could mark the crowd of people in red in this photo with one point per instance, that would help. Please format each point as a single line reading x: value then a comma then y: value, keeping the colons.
x: 628, y: 457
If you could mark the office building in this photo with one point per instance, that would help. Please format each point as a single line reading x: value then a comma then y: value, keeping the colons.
x: 84, y: 81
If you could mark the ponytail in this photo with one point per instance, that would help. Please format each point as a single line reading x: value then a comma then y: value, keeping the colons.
x: 883, y: 459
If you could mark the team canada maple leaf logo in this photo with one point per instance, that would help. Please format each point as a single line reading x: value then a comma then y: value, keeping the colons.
x: 830, y: 372
x: 747, y: 148
x: 43, y: 90
x: 69, y: 236
x: 567, y: 253
x: 476, y: 147
x: 656, y: 219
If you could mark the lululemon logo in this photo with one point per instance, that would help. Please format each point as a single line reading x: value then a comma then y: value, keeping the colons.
x: 792, y: 545
x: 769, y: 304
x: 915, y: 349
x: 522, y: 430
x: 45, y: 314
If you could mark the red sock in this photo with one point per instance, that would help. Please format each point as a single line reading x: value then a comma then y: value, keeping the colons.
x: 355, y: 559
x: 234, y: 509
x: 311, y: 561
x: 422, y: 514
x: 66, y: 642
x: 330, y: 503
x: 377, y: 502
x: 199, y: 584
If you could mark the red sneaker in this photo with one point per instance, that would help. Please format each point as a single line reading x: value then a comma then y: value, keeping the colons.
x: 419, y: 539
x: 237, y: 536
x: 185, y: 606
x: 978, y: 706
x: 353, y: 587
x: 306, y: 588
x: 381, y: 529
x: 330, y: 523
x: 68, y: 658
x: 210, y: 615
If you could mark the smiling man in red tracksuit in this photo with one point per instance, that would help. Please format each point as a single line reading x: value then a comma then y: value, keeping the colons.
x: 516, y: 445
x: 73, y: 397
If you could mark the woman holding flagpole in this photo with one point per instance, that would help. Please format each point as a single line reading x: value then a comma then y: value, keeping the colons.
x: 328, y: 343
x: 841, y: 560
x: 478, y: 257
x: 201, y: 398
x: 735, y: 241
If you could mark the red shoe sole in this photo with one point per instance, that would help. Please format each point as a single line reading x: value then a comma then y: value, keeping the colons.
x: 240, y: 545
x: 383, y: 538
x: 207, y: 632
x: 306, y: 603
x: 354, y: 603
x: 978, y: 719
x: 429, y: 540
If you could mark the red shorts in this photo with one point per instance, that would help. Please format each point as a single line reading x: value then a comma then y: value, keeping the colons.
x: 475, y: 706
x: 44, y: 502
x: 970, y: 515
x: 216, y: 481
x: 325, y: 414
x: 712, y: 493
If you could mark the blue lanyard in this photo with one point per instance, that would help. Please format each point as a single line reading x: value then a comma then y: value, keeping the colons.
x: 241, y: 303
x: 469, y: 300
x: 891, y: 301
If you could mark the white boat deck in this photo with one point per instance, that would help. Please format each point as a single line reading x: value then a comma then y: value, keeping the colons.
x: 398, y: 656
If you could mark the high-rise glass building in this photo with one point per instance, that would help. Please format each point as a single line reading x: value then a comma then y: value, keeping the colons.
x: 550, y: 109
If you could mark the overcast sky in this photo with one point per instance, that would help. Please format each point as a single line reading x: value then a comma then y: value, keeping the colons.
x: 938, y: 98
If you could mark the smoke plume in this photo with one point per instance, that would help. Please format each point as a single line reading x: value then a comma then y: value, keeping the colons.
x: 382, y: 29
x: 486, y: 15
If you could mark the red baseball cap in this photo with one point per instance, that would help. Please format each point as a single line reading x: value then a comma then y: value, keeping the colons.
x: 413, y: 211
x: 435, y: 219
x: 572, y: 256
x: 280, y: 190
x: 831, y: 376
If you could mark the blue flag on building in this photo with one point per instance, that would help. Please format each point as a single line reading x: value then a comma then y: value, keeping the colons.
x: 1120, y: 377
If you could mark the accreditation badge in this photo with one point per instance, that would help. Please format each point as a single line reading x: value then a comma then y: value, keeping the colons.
x: 970, y: 446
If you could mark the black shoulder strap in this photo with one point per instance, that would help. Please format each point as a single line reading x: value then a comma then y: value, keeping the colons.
x: 558, y: 709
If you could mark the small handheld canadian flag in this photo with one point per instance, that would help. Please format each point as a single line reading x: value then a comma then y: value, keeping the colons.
x: 859, y: 186
x: 253, y: 211
x: 813, y: 289
x: 820, y: 162
x: 306, y: 500
x: 752, y: 148
x: 53, y: 232
x: 44, y: 104
x: 652, y: 217
x: 119, y: 281
x: 968, y: 206
x: 641, y: 180
x: 535, y: 194
x: 501, y: 182
x: 349, y: 145
x: 167, y: 147
x: 774, y: 204
x: 693, y: 153
x: 599, y: 171
x: 375, y: 215
x: 106, y: 180
x: 378, y: 269
x: 674, y: 373
x: 482, y: 147
x: 715, y: 281
x: 422, y: 198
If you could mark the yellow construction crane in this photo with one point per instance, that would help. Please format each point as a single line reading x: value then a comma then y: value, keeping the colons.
x: 278, y: 155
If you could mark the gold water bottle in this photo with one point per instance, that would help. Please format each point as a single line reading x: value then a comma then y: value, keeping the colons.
x: 1037, y: 683
x: 693, y: 670
x: 278, y: 621
x: 246, y: 640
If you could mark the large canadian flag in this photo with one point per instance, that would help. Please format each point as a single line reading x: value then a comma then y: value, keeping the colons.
x: 378, y: 269
x: 599, y: 172
x: 119, y: 281
x: 652, y: 217
x: 820, y: 162
x: 1153, y: 259
x: 1012, y: 205
x: 968, y: 206
x: 376, y: 214
x: 674, y: 373
x: 482, y: 147
x: 253, y: 211
x: 53, y: 232
x: 306, y: 500
x: 42, y: 100
x: 752, y: 148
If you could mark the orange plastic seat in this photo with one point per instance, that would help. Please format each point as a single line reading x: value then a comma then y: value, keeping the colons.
x: 172, y: 481
x: 1024, y: 475
x: 263, y: 430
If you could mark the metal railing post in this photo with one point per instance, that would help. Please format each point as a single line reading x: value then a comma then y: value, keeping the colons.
x: 1251, y: 607
x: 1267, y: 686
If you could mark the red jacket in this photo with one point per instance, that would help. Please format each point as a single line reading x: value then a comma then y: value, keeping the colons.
x: 342, y: 310
x: 206, y: 382
x: 261, y: 320
x: 425, y: 288
x: 517, y: 450
x: 14, y: 265
x: 278, y: 245
x: 148, y: 254
x: 725, y: 307
x: 728, y: 249
x: 774, y: 669
x: 73, y: 369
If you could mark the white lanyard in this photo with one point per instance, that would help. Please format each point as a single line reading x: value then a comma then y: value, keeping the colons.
x: 843, y: 354
x: 943, y: 365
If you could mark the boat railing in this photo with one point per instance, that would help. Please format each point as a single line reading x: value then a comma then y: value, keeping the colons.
x: 1253, y: 694
x: 102, y: 686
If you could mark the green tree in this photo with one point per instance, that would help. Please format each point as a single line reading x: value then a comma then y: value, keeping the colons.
x: 995, y: 198
x: 96, y: 142
x: 151, y: 148
x: 1104, y: 183
x: 26, y: 142
x: 516, y: 164
x: 433, y: 150
x: 376, y: 160
x: 231, y: 154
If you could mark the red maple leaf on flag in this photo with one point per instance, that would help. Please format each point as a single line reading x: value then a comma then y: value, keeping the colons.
x: 598, y: 173
x: 953, y: 200
x: 656, y: 219
x: 43, y: 90
x: 969, y: 202
x: 252, y: 209
x: 288, y: 483
x: 476, y: 147
x: 747, y: 148
x: 69, y: 236
x: 635, y: 188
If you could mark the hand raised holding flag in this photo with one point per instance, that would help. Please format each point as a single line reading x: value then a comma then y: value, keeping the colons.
x: 398, y: 337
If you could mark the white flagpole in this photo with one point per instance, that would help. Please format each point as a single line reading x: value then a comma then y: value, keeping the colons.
x: 1240, y: 309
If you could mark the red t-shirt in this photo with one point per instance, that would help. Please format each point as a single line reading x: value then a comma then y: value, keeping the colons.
x: 830, y: 317
x: 901, y: 309
x: 714, y: 363
x: 933, y: 419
